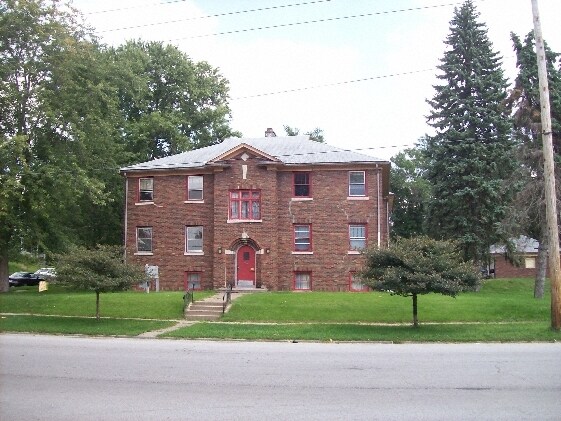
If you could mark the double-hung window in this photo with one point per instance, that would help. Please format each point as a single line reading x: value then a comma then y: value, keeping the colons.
x: 195, y: 187
x: 357, y: 237
x: 357, y: 183
x: 302, y: 280
x: 144, y: 239
x: 302, y: 184
x: 303, y: 237
x: 245, y: 205
x: 146, y: 190
x: 194, y: 239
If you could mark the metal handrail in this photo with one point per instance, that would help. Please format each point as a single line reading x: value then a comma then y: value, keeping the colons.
x: 227, y: 298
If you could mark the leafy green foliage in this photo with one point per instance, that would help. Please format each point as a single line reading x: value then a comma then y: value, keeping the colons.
x: 169, y: 103
x: 412, y: 193
x: 74, y: 112
x: 316, y: 135
x: 471, y: 155
x: 36, y: 36
x: 100, y: 270
x: 419, y: 265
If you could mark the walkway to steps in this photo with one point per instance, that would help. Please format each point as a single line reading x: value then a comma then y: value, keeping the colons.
x: 211, y: 308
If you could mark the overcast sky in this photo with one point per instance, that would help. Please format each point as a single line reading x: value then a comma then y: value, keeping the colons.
x: 361, y: 70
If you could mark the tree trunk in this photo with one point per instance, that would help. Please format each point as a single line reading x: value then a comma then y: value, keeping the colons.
x: 4, y: 283
x: 97, y: 305
x: 415, y: 318
x: 541, y: 268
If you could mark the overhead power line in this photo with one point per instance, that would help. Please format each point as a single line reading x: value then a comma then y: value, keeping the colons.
x: 238, y: 12
x: 307, y: 22
x: 138, y: 6
x: 326, y: 85
x: 345, y: 82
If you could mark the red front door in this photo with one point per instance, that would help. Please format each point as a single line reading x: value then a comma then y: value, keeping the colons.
x: 246, y: 266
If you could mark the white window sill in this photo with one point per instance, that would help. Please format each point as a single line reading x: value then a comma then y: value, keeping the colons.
x: 143, y: 203
x: 358, y: 198
x: 302, y: 252
x: 194, y: 253
x: 354, y: 252
x: 143, y: 253
x: 302, y: 199
x: 194, y: 201
x: 241, y: 221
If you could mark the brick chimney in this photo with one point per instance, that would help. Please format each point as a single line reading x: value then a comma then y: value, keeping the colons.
x: 270, y: 133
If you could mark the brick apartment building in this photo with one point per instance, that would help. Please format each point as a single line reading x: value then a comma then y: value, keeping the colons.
x: 282, y: 213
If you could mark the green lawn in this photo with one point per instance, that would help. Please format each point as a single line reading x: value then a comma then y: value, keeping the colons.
x: 504, y: 310
x: 509, y: 332
x: 498, y: 301
x: 131, y: 304
x: 79, y: 325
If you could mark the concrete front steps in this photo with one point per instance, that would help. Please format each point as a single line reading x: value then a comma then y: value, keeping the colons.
x: 207, y: 310
x: 211, y: 308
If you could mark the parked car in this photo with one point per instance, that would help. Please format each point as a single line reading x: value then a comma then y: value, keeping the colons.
x: 23, y: 278
x: 45, y: 274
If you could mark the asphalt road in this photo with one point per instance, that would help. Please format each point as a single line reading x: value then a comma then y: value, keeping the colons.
x: 74, y: 378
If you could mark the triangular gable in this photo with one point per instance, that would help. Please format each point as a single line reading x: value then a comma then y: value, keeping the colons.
x: 243, y: 147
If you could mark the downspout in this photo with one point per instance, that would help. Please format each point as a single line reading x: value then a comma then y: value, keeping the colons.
x: 378, y: 205
x: 126, y: 213
x: 388, y: 222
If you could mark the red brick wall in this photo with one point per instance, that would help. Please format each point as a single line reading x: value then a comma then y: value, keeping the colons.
x: 168, y: 216
x: 329, y: 213
x: 505, y: 269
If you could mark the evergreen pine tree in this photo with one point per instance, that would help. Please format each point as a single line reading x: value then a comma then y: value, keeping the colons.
x: 528, y: 215
x: 471, y: 154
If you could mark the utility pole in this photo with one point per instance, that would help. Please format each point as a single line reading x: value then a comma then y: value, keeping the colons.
x: 549, y: 175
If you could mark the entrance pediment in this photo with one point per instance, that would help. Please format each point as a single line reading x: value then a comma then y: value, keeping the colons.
x: 244, y: 152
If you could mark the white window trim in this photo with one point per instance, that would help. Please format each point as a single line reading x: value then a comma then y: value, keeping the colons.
x: 202, y: 189
x: 359, y: 251
x: 144, y: 203
x: 194, y: 201
x: 193, y: 252
x: 363, y: 184
x: 145, y: 253
x: 302, y: 252
x: 301, y: 199
x: 140, y: 192
x: 243, y: 221
x: 358, y: 197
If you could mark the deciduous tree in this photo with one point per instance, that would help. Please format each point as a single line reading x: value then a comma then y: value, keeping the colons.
x: 101, y: 269
x: 411, y: 188
x: 170, y: 103
x: 419, y: 265
x: 37, y: 151
x: 315, y: 135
